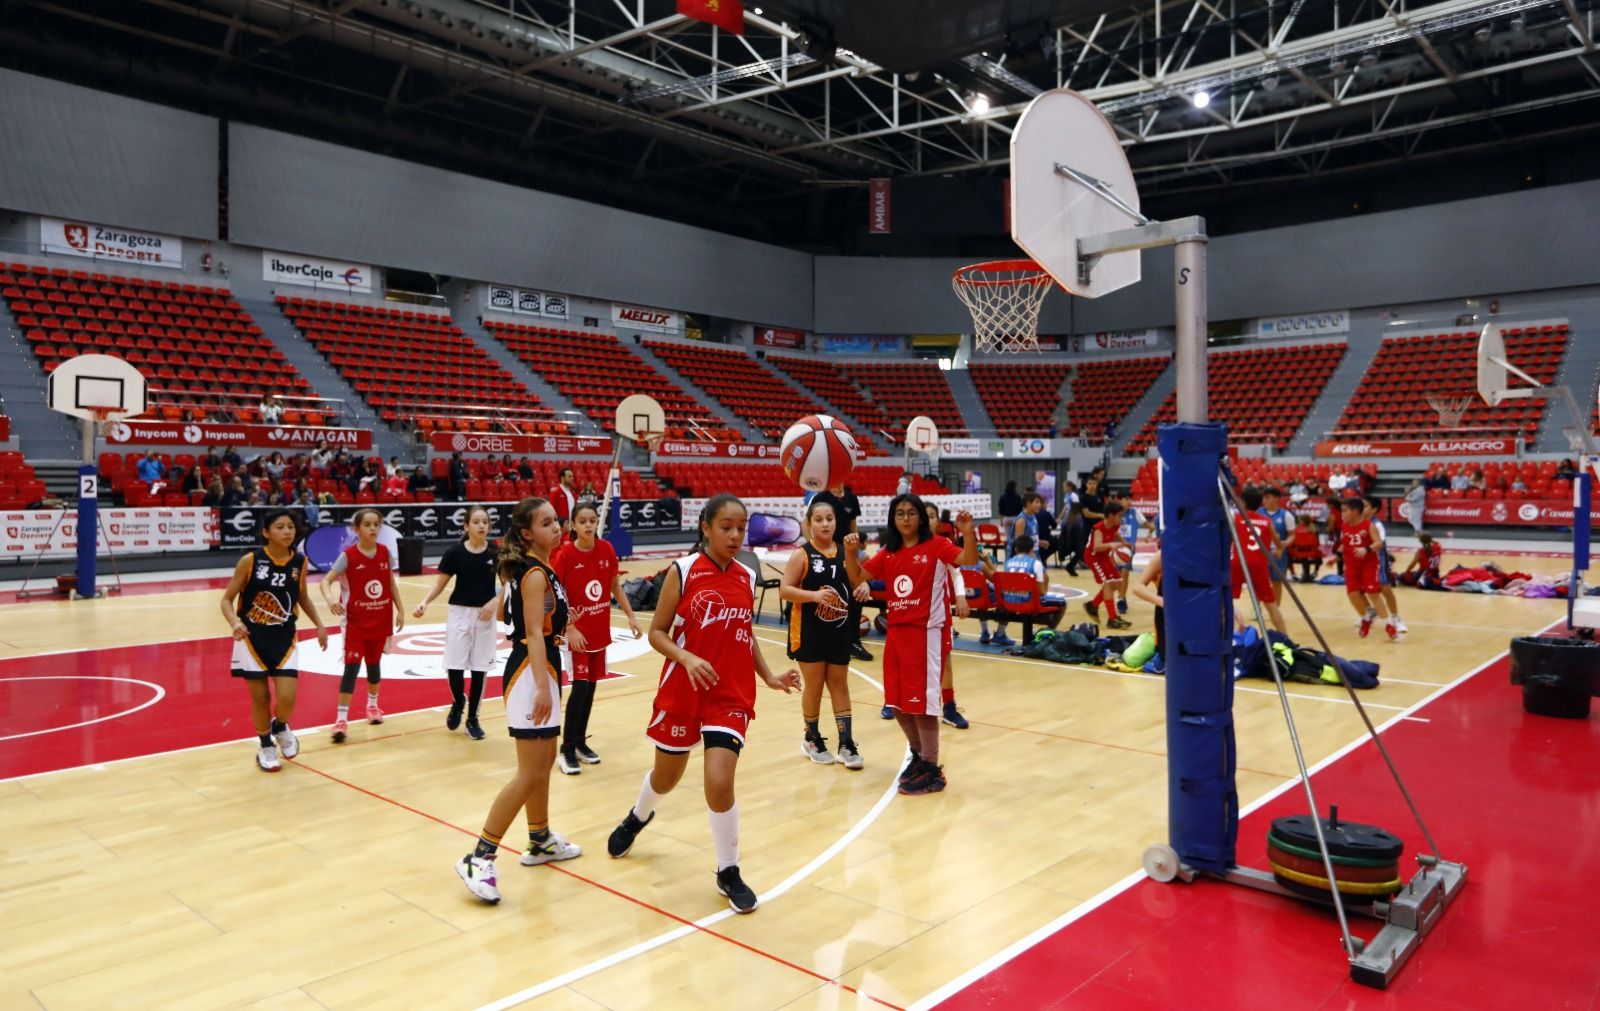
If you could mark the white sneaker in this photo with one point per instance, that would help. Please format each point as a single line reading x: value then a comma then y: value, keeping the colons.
x: 567, y: 763
x: 288, y: 744
x: 478, y: 875
x: 267, y: 758
x: 1400, y: 626
x: 816, y: 749
x: 850, y: 758
x: 554, y: 848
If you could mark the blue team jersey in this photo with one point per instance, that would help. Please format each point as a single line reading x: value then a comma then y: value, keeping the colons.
x: 1023, y: 563
x: 1280, y: 520
x: 1130, y: 526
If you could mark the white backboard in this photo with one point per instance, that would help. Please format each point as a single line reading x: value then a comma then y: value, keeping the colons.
x: 922, y: 435
x: 86, y: 384
x: 639, y: 414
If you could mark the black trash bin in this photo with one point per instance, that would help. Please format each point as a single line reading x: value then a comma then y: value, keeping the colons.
x: 411, y: 556
x: 1558, y: 676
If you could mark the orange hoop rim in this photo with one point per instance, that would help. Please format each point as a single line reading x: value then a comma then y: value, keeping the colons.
x: 968, y: 275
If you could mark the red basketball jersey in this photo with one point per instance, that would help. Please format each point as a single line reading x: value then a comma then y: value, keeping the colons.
x: 712, y: 622
x: 1356, y: 535
x: 917, y: 581
x: 1110, y: 533
x: 587, y: 577
x: 370, y: 595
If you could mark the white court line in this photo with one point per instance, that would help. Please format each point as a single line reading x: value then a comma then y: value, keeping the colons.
x: 160, y: 694
x: 666, y: 938
x: 993, y: 962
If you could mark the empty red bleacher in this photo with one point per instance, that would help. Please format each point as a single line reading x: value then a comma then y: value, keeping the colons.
x: 904, y: 390
x: 829, y: 382
x: 1262, y: 393
x: 694, y: 479
x: 1020, y: 398
x: 1392, y: 398
x: 19, y: 487
x: 594, y: 371
x: 198, y: 348
x: 1107, y: 391
x: 739, y: 383
x: 418, y: 367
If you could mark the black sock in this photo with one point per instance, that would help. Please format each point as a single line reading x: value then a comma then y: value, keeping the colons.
x: 266, y: 740
x: 811, y: 729
x: 538, y: 837
x: 458, y: 691
x: 575, y: 717
x: 843, y: 725
x: 487, y: 848
x: 477, y: 695
x: 347, y: 680
x: 278, y: 726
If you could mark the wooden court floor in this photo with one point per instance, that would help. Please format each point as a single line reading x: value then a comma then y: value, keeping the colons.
x: 190, y: 879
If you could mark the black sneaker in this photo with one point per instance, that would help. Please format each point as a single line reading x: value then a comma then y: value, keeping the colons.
x: 741, y: 898
x: 622, y: 837
x: 473, y: 730
x: 586, y: 754
x: 887, y: 712
x: 1119, y: 623
x: 913, y: 768
x: 930, y: 780
x: 859, y: 651
x: 952, y: 717
x: 567, y: 762
x: 453, y: 720
x: 1094, y: 612
x: 1072, y: 569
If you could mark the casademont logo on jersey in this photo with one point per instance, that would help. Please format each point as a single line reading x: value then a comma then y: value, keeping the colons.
x: 902, y: 587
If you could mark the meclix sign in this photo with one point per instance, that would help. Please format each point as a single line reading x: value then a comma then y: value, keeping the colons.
x: 638, y: 317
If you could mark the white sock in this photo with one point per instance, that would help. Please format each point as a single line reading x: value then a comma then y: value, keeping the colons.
x: 1372, y: 612
x: 344, y: 712
x: 645, y: 806
x: 725, y: 835
x: 372, y: 696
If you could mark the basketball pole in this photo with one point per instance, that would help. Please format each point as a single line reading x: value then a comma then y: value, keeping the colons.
x: 88, y: 512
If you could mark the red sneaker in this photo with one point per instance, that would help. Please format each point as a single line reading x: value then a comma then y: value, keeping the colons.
x: 1394, y: 633
x: 339, y: 729
x: 374, y: 714
x: 1366, y: 626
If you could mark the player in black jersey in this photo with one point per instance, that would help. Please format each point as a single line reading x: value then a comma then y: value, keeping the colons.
x: 820, y: 637
x: 536, y: 606
x: 259, y: 606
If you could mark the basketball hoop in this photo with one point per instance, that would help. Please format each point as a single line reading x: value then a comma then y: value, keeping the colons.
x: 1004, y: 297
x: 651, y: 441
x: 1451, y: 409
x: 104, y: 418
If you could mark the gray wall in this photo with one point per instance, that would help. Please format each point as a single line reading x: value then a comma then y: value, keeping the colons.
x: 868, y: 295
x: 306, y: 196
x: 79, y: 153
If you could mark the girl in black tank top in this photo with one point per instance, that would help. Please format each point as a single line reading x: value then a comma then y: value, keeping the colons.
x: 554, y: 626
x: 818, y: 593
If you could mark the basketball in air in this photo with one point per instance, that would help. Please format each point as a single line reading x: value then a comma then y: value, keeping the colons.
x: 818, y: 452
x: 1123, y: 554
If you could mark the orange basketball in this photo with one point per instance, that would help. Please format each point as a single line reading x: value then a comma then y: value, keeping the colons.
x: 818, y: 452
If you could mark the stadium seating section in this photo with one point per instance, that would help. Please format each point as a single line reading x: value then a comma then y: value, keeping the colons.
x: 1020, y: 399
x: 702, y: 480
x: 487, y: 480
x: 1262, y: 393
x: 1392, y: 399
x: 595, y: 372
x: 1107, y: 391
x: 418, y: 367
x: 739, y: 383
x: 1500, y: 479
x: 200, y: 351
x: 1249, y: 470
x: 18, y: 487
x: 835, y: 387
x: 907, y: 389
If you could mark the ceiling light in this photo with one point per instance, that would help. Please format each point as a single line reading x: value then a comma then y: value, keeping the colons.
x: 978, y: 103
x: 1201, y: 99
x: 1483, y: 33
x: 1369, y: 59
x: 1270, y: 83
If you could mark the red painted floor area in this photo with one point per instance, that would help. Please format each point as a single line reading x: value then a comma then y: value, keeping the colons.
x: 1515, y: 797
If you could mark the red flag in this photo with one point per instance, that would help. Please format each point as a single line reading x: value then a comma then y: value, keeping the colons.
x: 725, y: 14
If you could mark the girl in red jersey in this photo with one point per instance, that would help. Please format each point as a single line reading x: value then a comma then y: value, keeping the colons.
x: 370, y: 591
x: 1261, y: 543
x: 587, y: 567
x: 962, y: 608
x: 707, y: 694
x: 1104, y: 538
x: 1361, y: 563
x: 915, y: 568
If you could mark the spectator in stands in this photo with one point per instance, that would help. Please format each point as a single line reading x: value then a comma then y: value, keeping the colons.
x: 1460, y: 482
x: 1417, y: 502
x: 903, y: 487
x: 1298, y: 492
x: 151, y: 469
x: 371, y: 478
x: 1009, y: 506
x: 212, y: 459
x: 1111, y: 429
x: 342, y: 468
x: 271, y: 410
x: 218, y: 415
x: 394, y: 484
x: 310, y: 508
x: 274, y: 466
x: 588, y: 494
x: 457, y: 478
x: 563, y: 496
x: 236, y: 495
x: 255, y: 499
x: 394, y: 468
x: 419, y: 481
x: 214, y: 494
x: 1337, y: 482
x: 489, y: 469
x: 1365, y: 479
x: 191, y: 480
x: 1478, y: 482
x: 1566, y: 470
x: 524, y: 469
x: 1439, y: 481
x: 322, y: 456
x: 233, y: 460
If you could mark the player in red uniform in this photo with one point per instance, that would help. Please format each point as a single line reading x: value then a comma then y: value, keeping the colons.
x: 1104, y: 539
x: 370, y: 591
x: 915, y: 568
x: 962, y: 608
x: 1259, y: 537
x: 1361, y: 564
x: 1426, y: 568
x: 707, y: 694
x: 587, y: 567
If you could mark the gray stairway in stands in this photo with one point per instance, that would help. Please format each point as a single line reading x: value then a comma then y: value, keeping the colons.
x: 1143, y: 409
x: 547, y: 393
x: 973, y: 414
x: 42, y: 434
x: 1580, y: 368
x: 862, y: 430
x: 711, y: 404
x: 324, y: 378
x: 1335, y: 396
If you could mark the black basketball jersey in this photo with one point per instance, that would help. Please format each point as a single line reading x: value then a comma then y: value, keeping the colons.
x: 267, y: 606
x: 805, y: 627
x: 554, y: 623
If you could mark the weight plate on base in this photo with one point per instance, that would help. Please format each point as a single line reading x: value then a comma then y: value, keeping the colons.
x: 1161, y: 863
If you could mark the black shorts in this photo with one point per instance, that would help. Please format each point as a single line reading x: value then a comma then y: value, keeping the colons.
x: 828, y: 652
x: 262, y: 675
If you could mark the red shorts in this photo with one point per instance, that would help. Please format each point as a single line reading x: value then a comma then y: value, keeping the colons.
x: 1104, y: 567
x: 681, y: 712
x: 1260, y: 578
x: 589, y: 666
x: 681, y: 731
x: 359, y: 647
x: 1361, y: 574
x: 913, y: 660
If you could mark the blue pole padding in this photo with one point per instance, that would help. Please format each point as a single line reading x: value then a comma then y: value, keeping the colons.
x: 88, y: 526
x: 1202, y: 798
x: 1582, y: 495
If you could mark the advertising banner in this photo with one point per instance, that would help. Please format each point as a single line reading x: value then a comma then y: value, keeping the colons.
x: 1314, y: 324
x: 726, y: 450
x: 635, y: 317
x: 846, y: 344
x: 289, y: 268
x: 496, y: 445
x: 1469, y: 446
x: 778, y: 337
x: 1493, y: 512
x: 650, y: 514
x: 126, y: 531
x: 83, y: 238
x: 524, y: 302
x: 206, y: 433
x: 1032, y: 447
x: 874, y: 508
x: 960, y: 449
x: 878, y: 207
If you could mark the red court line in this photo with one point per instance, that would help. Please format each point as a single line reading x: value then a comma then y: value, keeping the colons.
x: 296, y: 763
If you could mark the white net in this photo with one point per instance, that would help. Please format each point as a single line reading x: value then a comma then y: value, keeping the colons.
x: 1004, y: 297
x: 1450, y: 409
